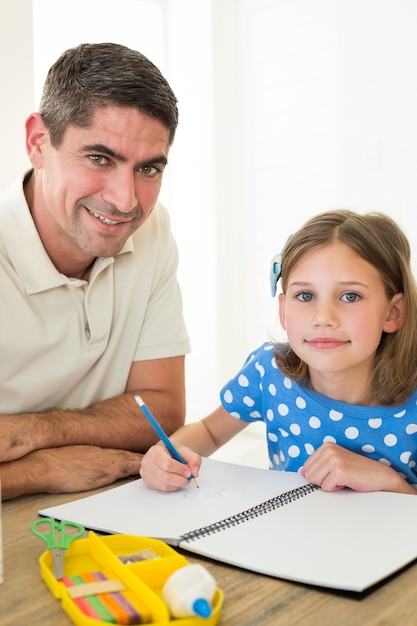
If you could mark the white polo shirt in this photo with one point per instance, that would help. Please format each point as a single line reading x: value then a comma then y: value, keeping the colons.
x: 67, y: 343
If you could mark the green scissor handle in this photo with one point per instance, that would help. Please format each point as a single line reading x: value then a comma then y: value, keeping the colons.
x: 50, y: 536
x: 67, y: 538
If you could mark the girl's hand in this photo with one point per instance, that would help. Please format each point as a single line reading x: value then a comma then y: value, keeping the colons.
x: 333, y: 467
x: 161, y: 472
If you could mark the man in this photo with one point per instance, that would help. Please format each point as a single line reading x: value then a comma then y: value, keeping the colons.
x: 91, y: 309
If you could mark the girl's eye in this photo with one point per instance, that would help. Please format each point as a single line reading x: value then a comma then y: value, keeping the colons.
x: 351, y: 297
x: 305, y: 296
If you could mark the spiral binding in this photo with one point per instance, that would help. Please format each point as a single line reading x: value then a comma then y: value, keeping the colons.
x: 255, y: 511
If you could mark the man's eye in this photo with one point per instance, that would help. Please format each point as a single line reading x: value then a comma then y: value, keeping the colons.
x: 149, y: 170
x: 305, y: 296
x: 351, y: 297
x: 98, y: 159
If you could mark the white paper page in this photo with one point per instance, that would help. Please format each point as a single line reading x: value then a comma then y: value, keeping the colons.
x: 224, y: 489
x: 344, y: 540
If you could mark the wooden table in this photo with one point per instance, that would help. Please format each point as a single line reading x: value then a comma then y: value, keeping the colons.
x: 250, y: 599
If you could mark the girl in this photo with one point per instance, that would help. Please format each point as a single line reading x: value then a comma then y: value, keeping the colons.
x: 339, y: 400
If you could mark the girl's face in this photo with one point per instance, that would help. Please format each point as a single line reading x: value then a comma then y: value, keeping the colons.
x: 334, y: 312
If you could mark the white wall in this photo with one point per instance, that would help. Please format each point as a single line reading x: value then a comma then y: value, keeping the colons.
x: 329, y: 91
x: 16, y: 71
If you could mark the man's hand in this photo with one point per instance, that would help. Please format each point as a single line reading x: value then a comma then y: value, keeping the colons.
x: 67, y: 470
x: 333, y: 467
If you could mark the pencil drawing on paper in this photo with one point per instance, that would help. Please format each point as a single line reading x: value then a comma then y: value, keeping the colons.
x: 217, y: 492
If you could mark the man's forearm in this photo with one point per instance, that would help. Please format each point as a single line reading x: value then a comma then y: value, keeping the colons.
x: 119, y: 422
x: 68, y: 469
x: 113, y: 423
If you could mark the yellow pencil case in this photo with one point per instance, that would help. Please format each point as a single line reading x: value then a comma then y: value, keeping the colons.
x: 119, y: 579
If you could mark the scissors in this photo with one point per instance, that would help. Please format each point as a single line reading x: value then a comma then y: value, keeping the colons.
x: 57, y: 546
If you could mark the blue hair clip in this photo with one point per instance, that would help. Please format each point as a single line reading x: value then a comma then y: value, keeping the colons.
x: 275, y: 273
x: 275, y: 270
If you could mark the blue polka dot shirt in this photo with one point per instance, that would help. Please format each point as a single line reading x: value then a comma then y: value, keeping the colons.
x: 298, y: 420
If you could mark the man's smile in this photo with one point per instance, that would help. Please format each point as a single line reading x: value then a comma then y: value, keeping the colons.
x: 105, y: 220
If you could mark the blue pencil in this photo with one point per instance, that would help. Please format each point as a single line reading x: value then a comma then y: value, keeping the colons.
x: 162, y: 435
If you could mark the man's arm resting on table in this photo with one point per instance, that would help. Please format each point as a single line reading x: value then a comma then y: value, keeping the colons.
x: 113, y: 423
x: 68, y: 469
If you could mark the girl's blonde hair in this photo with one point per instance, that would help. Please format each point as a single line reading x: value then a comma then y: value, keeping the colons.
x: 381, y: 242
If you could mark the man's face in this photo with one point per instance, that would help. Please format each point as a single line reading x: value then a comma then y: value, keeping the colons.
x: 96, y: 188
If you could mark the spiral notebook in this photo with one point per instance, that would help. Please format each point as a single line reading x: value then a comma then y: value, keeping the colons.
x: 273, y: 523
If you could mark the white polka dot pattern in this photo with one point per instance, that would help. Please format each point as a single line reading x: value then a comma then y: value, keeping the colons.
x: 298, y: 420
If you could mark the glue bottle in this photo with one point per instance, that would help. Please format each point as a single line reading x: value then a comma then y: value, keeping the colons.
x: 189, y: 591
